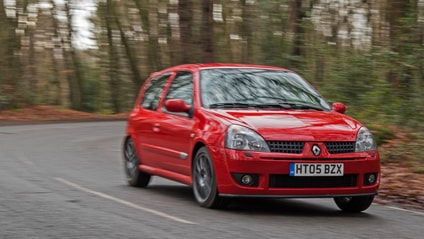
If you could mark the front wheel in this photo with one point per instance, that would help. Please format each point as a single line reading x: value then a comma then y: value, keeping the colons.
x: 354, y: 204
x: 204, y: 182
x: 135, y: 177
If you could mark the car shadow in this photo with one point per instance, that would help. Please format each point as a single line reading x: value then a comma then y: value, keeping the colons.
x: 290, y: 207
x: 182, y: 192
x: 262, y: 206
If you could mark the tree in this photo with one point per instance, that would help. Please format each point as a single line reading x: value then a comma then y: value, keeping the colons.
x: 114, y: 61
x: 10, y: 67
x: 185, y: 13
x: 206, y: 40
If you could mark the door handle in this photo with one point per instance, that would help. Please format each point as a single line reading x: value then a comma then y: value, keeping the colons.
x: 156, y: 127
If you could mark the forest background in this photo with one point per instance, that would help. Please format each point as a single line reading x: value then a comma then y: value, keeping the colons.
x: 368, y: 54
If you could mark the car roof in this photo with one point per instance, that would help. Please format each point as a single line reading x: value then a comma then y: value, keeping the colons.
x: 201, y: 66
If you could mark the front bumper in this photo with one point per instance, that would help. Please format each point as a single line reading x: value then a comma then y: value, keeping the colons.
x: 271, y: 170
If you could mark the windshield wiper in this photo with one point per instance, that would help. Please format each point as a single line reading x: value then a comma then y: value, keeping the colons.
x: 231, y: 105
x: 301, y: 106
x: 286, y: 105
x: 282, y: 105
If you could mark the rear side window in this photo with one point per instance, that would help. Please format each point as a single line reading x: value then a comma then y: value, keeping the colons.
x: 153, y: 92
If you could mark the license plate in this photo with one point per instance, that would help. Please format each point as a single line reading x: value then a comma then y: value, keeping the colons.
x: 316, y: 169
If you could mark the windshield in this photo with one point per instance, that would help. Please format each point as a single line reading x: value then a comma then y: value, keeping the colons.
x: 259, y: 88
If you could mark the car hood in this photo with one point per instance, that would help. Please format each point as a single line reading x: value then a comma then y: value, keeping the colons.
x: 301, y: 125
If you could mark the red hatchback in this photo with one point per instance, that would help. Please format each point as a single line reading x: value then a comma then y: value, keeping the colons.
x: 233, y: 130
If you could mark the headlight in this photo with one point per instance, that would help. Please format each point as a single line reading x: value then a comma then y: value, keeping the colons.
x: 365, y: 141
x: 242, y: 138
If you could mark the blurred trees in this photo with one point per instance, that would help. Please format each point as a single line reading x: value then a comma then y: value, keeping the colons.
x: 368, y: 54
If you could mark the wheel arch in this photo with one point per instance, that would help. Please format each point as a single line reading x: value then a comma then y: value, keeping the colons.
x: 196, y: 148
x: 131, y: 135
x: 123, y: 143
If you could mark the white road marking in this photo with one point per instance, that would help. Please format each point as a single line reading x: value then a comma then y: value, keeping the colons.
x: 123, y: 202
x: 405, y: 210
x: 24, y: 159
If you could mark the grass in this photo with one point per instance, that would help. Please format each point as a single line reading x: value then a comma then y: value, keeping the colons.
x: 418, y: 170
x: 382, y: 134
x: 403, y: 146
x: 105, y: 112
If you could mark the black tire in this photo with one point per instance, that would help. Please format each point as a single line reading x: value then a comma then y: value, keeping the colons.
x: 135, y: 177
x: 204, y: 181
x: 354, y: 204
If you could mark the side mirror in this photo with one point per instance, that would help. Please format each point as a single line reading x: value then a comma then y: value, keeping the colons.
x: 177, y: 106
x: 339, y: 107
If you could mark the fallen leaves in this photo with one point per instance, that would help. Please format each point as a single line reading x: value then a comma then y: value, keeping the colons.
x: 45, y: 112
x: 400, y: 186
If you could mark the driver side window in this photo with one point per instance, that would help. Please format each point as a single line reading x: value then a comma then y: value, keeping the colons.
x: 182, y: 87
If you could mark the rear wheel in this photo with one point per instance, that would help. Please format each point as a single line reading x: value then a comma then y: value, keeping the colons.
x: 354, y: 204
x: 204, y: 182
x: 135, y: 177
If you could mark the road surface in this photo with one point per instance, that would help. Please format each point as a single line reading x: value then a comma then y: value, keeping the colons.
x: 67, y: 181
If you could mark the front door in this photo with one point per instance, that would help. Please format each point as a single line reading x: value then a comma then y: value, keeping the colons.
x: 176, y: 129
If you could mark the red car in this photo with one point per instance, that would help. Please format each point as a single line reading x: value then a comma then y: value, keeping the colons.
x: 236, y: 130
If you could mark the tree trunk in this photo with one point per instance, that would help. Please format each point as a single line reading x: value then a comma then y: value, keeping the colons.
x: 132, y: 59
x: 207, y: 32
x: 113, y: 68
x: 4, y: 34
x: 77, y: 89
x: 296, y: 18
x: 9, y: 63
x: 185, y: 12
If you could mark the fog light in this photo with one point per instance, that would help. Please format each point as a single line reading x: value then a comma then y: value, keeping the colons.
x: 247, y: 179
x: 243, y: 179
x: 370, y: 178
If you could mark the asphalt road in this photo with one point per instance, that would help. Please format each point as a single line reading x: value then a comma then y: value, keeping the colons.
x: 66, y: 181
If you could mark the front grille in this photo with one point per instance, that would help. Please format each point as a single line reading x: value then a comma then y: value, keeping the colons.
x: 340, y: 147
x: 286, y: 181
x: 288, y: 147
